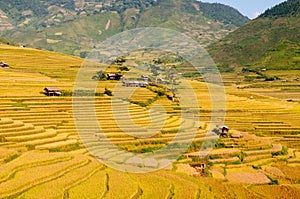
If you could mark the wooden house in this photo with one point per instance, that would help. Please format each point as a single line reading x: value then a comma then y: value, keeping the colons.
x: 114, y: 76
x: 4, y: 64
x: 52, y: 91
x: 224, y: 130
x: 146, y: 78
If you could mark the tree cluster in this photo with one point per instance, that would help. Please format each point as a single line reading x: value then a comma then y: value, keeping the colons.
x: 285, y: 9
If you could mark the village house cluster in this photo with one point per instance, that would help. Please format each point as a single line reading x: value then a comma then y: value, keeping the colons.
x: 140, y: 82
x: 131, y: 82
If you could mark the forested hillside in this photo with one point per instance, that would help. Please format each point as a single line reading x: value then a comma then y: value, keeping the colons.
x: 285, y: 9
x: 74, y: 27
x: 270, y: 41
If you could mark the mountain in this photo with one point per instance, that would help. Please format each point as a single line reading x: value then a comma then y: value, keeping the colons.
x: 285, y: 9
x: 270, y: 41
x: 75, y: 26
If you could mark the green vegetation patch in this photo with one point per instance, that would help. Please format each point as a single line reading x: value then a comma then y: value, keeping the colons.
x: 12, y: 157
x: 67, y: 148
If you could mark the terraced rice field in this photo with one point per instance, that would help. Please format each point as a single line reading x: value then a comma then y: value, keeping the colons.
x: 42, y: 154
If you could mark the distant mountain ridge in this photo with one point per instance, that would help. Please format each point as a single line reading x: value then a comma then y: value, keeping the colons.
x: 285, y: 9
x: 74, y: 26
x: 275, y: 33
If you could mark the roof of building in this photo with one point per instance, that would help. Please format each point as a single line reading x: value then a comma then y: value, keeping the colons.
x: 53, y: 89
x: 224, y: 127
x: 114, y: 74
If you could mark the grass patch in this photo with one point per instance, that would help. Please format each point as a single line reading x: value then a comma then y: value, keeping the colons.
x: 12, y: 157
x: 67, y: 148
x: 30, y: 147
x: 144, y: 146
x: 145, y: 149
x: 224, y: 171
x: 108, y: 92
x: 195, y: 146
x: 138, y: 193
x: 284, y: 151
x: 213, y: 157
x: 171, y: 192
x: 242, y: 156
x: 256, y: 167
x: 259, y: 134
x: 2, y: 139
x: 220, y: 144
x: 274, y: 182
x: 66, y: 93
x: 143, y: 103
x: 170, y: 131
x: 237, y: 162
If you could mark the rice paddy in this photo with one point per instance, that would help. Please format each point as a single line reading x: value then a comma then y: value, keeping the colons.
x: 41, y: 152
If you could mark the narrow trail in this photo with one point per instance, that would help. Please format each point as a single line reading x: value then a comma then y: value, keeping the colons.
x: 107, y: 25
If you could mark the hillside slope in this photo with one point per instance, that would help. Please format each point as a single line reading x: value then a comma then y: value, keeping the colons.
x: 5, y: 41
x: 35, y: 69
x: 275, y: 33
x: 40, y: 146
x: 74, y: 27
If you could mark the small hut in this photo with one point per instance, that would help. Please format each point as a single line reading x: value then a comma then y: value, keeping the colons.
x: 114, y: 76
x: 52, y: 91
x: 4, y: 64
x: 146, y: 78
x: 224, y: 130
x: 143, y: 84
